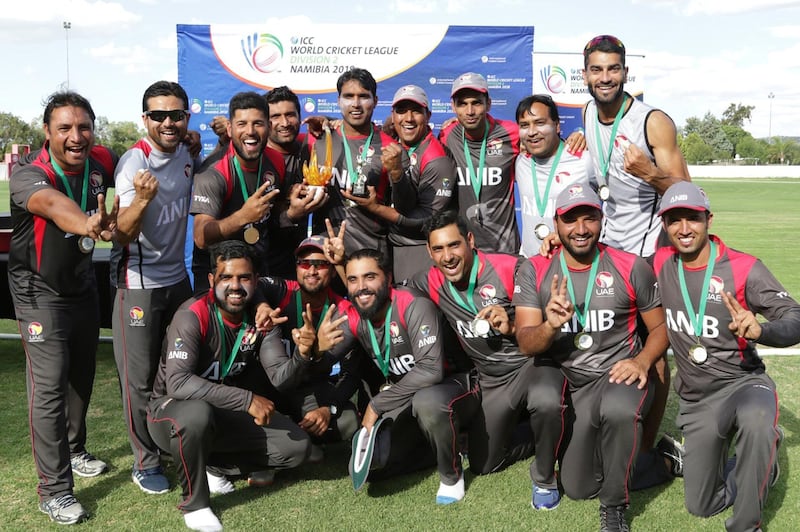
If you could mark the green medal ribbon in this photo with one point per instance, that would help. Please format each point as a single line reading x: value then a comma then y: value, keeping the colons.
x: 240, y: 175
x: 541, y: 201
x: 382, y: 356
x: 589, y: 284
x: 228, y: 356
x: 605, y: 155
x: 697, y: 318
x: 348, y: 158
x: 64, y: 181
x: 469, y: 304
x: 476, y: 181
x: 298, y: 302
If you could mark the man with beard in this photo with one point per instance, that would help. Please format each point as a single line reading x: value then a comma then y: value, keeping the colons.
x: 544, y: 169
x: 234, y: 196
x: 474, y: 289
x: 359, y: 187
x: 422, y: 176
x: 711, y: 294
x: 311, y: 390
x: 484, y: 149
x: 580, y: 308
x: 58, y: 211
x: 410, y: 382
x: 199, y: 410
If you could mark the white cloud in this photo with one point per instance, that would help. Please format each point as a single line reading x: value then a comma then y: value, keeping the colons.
x: 720, y: 7
x: 83, y: 12
x: 133, y: 59
x: 413, y: 6
x: 785, y: 32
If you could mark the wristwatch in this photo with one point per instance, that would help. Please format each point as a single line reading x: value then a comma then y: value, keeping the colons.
x: 334, y: 410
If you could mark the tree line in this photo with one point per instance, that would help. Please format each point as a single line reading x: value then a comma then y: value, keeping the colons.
x: 702, y: 140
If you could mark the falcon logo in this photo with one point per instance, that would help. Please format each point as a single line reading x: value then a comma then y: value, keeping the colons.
x: 370, y: 152
x: 622, y: 142
x: 604, y: 284
x: 488, y: 292
x: 562, y: 176
x: 394, y: 332
x: 494, y: 147
x: 96, y: 183
x: 35, y: 330
x: 137, y: 317
x: 716, y: 285
x: 413, y: 159
x: 248, y: 339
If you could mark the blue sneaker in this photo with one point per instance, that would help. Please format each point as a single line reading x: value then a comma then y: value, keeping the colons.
x: 151, y: 480
x: 545, y: 498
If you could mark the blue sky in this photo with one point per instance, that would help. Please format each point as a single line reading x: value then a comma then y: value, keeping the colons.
x: 700, y: 55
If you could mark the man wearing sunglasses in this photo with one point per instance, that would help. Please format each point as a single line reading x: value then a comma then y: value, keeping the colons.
x: 234, y: 196
x: 636, y: 158
x: 309, y: 390
x: 154, y: 183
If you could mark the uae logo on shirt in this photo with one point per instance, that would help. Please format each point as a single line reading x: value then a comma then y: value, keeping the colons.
x: 136, y: 315
x: 488, y: 292
x: 716, y: 285
x: 394, y: 332
x: 35, y: 332
x: 494, y: 148
x: 604, y: 284
x: 96, y: 182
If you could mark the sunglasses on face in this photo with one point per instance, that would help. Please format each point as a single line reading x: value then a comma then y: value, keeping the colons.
x: 308, y: 263
x: 603, y: 38
x: 159, y: 116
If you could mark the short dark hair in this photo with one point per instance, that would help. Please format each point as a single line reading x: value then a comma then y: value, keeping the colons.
x: 525, y: 105
x: 164, y: 88
x: 360, y: 75
x: 442, y: 219
x: 248, y: 100
x: 603, y: 43
x: 283, y: 94
x: 370, y: 253
x: 66, y: 99
x: 229, y: 250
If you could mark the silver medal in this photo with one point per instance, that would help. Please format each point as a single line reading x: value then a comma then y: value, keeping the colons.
x: 85, y: 244
x: 604, y: 192
x: 480, y: 327
x: 698, y: 354
x: 385, y: 386
x: 541, y: 231
x: 583, y: 341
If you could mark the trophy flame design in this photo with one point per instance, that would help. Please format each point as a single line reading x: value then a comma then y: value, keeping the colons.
x: 315, y: 175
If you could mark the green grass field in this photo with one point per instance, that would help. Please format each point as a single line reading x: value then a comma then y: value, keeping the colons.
x: 758, y: 216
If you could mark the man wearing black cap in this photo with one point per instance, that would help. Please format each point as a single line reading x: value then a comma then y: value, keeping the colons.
x: 580, y: 309
x: 423, y: 178
x: 484, y: 149
x: 308, y: 387
x: 711, y: 294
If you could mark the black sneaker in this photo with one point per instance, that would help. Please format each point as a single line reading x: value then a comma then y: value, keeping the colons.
x: 672, y: 451
x: 64, y: 510
x: 612, y: 519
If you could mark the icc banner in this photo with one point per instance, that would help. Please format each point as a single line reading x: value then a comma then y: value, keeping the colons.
x: 560, y: 76
x: 217, y: 61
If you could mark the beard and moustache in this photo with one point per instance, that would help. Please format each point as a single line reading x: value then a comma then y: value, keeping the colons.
x: 381, y: 297
x: 221, y: 294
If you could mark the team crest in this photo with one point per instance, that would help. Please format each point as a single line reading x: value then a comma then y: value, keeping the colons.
x: 494, y: 147
x: 394, y: 329
x: 562, y: 176
x: 604, y: 280
x: 488, y: 291
x: 136, y: 315
x: 425, y: 330
x: 35, y: 332
x: 178, y: 343
x: 413, y: 159
x: 716, y: 285
x: 96, y: 182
